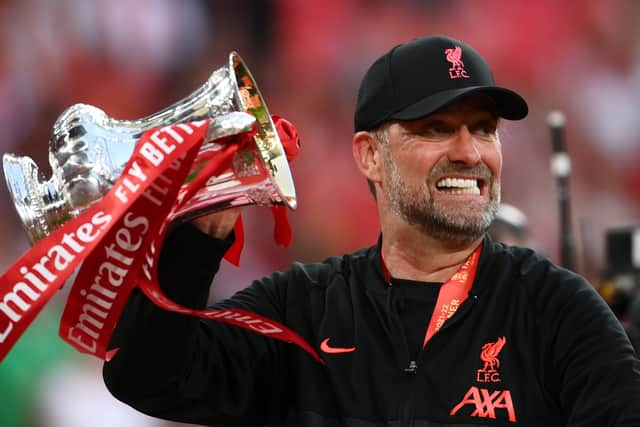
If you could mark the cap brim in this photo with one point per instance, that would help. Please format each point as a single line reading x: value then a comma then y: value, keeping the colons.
x: 509, y: 104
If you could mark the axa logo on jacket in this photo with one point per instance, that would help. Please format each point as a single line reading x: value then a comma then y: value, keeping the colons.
x: 484, y: 400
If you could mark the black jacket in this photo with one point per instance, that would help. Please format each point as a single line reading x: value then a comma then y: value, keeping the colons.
x: 533, y: 345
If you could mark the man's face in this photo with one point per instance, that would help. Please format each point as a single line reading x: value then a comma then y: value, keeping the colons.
x: 442, y: 172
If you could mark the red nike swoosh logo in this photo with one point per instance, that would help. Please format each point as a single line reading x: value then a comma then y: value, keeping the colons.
x: 324, y: 346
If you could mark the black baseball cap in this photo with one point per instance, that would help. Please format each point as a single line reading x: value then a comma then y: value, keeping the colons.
x: 417, y: 78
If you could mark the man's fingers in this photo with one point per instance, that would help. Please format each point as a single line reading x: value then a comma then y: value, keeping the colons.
x: 218, y: 224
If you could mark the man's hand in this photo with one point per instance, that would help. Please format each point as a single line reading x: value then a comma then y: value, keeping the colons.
x: 226, y: 126
x: 223, y: 129
x: 218, y: 224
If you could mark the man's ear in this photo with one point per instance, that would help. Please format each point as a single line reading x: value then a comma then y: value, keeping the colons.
x: 368, y: 156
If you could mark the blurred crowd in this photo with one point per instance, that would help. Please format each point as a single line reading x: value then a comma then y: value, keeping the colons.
x: 134, y: 58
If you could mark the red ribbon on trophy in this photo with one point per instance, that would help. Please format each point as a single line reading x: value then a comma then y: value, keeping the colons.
x: 118, y: 240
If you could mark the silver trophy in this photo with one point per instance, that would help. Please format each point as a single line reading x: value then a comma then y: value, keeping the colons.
x: 88, y: 151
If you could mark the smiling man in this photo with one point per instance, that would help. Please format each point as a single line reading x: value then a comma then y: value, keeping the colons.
x: 435, y: 325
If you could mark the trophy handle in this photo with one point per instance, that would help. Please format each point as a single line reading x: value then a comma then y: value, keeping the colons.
x: 30, y: 192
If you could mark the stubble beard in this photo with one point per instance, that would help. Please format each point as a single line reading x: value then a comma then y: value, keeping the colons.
x: 458, y: 225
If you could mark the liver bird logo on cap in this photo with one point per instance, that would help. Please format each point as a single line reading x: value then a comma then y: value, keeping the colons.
x: 454, y: 56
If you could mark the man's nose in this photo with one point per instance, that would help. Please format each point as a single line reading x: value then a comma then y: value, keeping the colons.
x: 463, y: 148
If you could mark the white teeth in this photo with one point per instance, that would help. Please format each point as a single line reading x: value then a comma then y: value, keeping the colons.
x: 459, y: 185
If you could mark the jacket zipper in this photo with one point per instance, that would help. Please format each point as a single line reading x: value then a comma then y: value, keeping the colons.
x: 412, y: 368
x: 408, y: 409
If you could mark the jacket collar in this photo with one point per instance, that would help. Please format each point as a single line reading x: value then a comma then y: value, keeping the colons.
x: 378, y: 283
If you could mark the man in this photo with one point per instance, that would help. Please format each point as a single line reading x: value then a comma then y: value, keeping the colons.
x: 435, y: 325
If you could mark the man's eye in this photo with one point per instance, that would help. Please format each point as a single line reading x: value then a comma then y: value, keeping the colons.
x: 486, y: 130
x: 437, y: 130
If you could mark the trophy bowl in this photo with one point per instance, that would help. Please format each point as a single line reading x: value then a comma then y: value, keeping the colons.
x: 88, y: 151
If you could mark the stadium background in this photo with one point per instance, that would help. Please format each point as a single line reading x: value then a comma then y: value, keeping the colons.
x: 133, y: 58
